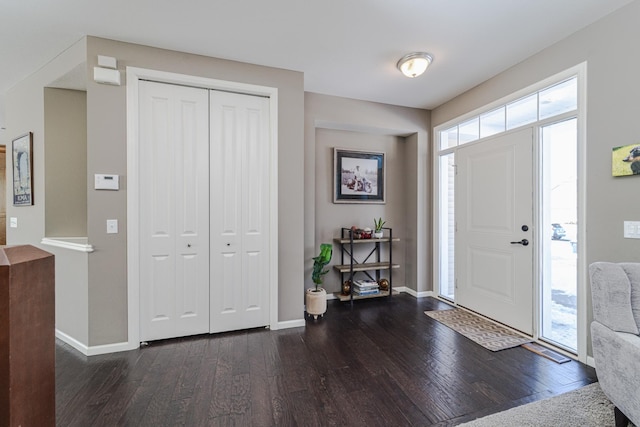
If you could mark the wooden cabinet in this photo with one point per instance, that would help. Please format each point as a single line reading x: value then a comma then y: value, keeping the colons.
x: 368, y: 264
x: 27, y: 337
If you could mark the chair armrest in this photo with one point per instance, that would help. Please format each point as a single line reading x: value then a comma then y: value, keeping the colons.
x: 617, y: 360
x: 611, y: 297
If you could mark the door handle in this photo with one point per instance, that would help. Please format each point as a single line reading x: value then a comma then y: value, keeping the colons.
x: 523, y: 242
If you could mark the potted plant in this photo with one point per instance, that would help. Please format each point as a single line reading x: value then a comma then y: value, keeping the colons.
x: 316, y: 298
x: 378, y: 223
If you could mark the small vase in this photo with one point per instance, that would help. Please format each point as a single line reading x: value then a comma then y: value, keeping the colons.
x: 346, y: 287
x: 378, y: 234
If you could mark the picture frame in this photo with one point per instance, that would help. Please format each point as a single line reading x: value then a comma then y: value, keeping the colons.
x: 22, y: 153
x: 359, y: 176
x: 625, y: 160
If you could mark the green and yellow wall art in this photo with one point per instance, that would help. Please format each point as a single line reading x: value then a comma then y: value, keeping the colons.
x: 625, y: 160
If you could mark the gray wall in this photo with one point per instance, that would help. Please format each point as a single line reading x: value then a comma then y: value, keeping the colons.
x: 402, y: 132
x: 330, y: 217
x: 25, y: 113
x: 106, y: 153
x: 72, y: 293
x: 65, y: 127
x: 106, y: 121
x: 608, y: 47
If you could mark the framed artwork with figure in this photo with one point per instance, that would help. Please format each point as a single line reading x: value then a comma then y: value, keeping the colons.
x: 22, y: 153
x: 359, y: 176
x: 625, y: 160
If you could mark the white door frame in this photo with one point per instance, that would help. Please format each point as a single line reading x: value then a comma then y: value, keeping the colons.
x: 583, y: 281
x: 134, y: 75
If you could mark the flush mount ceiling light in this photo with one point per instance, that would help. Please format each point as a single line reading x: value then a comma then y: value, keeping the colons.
x: 414, y: 64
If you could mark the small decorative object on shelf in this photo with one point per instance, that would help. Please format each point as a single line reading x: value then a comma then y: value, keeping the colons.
x: 378, y: 224
x: 346, y: 287
x: 369, y: 283
x: 366, y: 233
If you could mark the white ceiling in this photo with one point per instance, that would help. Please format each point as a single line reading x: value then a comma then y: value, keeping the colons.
x: 347, y: 48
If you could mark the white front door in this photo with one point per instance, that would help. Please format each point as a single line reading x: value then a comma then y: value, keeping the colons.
x: 240, y: 194
x: 174, y: 210
x: 494, y: 218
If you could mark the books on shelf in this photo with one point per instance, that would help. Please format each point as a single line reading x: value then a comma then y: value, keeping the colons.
x: 365, y: 284
x: 365, y: 287
x: 366, y: 292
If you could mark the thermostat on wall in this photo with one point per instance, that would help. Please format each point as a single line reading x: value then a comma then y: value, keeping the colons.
x: 107, y: 182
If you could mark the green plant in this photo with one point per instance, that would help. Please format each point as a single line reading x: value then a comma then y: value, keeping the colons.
x: 319, y: 262
x: 378, y: 223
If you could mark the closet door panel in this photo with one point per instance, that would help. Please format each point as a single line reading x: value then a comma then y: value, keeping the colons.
x: 239, y: 211
x: 174, y: 211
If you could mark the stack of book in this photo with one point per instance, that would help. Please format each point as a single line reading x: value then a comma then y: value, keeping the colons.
x: 365, y: 287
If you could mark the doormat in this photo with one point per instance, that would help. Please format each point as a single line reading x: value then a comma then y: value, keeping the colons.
x: 484, y: 332
x: 545, y: 352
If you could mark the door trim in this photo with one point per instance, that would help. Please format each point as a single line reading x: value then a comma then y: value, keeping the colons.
x: 579, y: 70
x: 134, y: 75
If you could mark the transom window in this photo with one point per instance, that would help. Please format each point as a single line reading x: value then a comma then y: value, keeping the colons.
x: 546, y: 103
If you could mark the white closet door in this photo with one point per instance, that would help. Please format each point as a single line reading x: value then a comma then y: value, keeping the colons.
x: 174, y: 210
x: 239, y: 211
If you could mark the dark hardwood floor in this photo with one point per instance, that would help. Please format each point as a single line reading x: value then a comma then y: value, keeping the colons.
x: 381, y: 363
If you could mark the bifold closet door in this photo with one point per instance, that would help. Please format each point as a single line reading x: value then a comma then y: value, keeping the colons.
x: 239, y: 208
x: 174, y: 210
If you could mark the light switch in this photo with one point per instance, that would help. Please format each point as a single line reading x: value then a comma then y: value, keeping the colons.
x: 112, y: 226
x: 13, y: 222
x: 632, y: 229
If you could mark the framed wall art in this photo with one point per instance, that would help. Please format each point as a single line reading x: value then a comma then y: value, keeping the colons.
x: 359, y: 176
x: 22, y: 151
x: 625, y: 160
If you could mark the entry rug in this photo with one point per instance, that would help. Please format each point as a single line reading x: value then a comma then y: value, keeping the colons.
x: 488, y: 334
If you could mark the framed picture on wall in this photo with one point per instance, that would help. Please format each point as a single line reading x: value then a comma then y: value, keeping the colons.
x: 625, y: 160
x: 22, y: 149
x: 359, y: 176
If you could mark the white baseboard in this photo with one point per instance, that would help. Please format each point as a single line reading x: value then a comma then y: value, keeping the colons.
x: 96, y: 349
x: 591, y: 361
x: 125, y: 346
x: 82, y: 348
x: 297, y: 323
x: 400, y: 289
x: 111, y: 348
x: 422, y: 294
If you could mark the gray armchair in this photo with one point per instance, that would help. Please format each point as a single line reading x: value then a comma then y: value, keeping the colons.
x: 615, y: 330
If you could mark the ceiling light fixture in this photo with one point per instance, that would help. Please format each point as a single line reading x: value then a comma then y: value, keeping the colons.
x: 414, y: 64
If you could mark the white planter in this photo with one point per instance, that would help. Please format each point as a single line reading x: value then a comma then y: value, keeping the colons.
x: 316, y: 302
x: 378, y: 235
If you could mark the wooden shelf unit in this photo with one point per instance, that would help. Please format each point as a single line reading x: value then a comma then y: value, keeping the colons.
x: 347, y: 244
